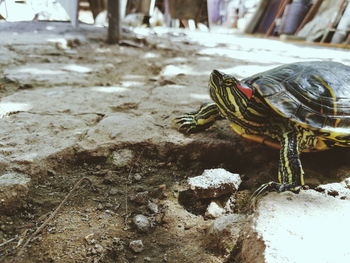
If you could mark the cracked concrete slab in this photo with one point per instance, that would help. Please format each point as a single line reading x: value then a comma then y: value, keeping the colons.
x: 70, y: 100
x: 55, y: 73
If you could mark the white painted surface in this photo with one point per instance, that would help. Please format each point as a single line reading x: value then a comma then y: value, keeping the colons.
x: 304, y: 228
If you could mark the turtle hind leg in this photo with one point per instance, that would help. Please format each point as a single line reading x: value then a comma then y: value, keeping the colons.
x: 290, y: 171
x: 199, y: 120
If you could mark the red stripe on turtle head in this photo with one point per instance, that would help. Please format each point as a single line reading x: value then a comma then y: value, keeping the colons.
x: 248, y: 92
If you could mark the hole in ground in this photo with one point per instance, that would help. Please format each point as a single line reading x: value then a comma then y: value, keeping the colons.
x: 97, y: 221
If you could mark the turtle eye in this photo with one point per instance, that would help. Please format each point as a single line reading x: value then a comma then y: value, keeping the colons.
x: 228, y: 82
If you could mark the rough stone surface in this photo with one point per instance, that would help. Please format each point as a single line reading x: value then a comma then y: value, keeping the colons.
x: 223, y: 233
x: 305, y: 227
x: 44, y: 72
x: 214, y: 183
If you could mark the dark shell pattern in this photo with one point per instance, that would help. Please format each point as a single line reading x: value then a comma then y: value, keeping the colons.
x: 314, y: 94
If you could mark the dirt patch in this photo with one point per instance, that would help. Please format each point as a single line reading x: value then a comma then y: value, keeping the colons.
x: 96, y: 225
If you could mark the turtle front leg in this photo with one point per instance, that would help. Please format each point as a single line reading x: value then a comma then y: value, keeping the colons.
x: 290, y: 171
x: 199, y: 120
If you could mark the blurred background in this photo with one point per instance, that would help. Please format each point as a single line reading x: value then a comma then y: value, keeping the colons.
x: 324, y: 21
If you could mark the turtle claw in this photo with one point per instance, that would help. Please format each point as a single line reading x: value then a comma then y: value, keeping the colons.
x: 274, y: 187
x: 199, y: 120
x: 186, y: 123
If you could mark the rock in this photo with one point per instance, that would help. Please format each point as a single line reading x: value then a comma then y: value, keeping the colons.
x: 174, y: 213
x: 152, y: 207
x: 114, y: 191
x: 224, y: 232
x: 136, y: 246
x: 214, y: 183
x: 140, y: 198
x: 305, y: 227
x: 51, y: 172
x: 230, y: 204
x: 214, y: 210
x: 100, y: 206
x: 122, y: 158
x: 120, y: 128
x: 118, y: 244
x: 90, y: 239
x: 142, y: 223
x: 137, y: 177
x: 13, y: 189
x: 98, y: 248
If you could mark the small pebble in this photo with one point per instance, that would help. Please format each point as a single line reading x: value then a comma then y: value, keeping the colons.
x: 162, y: 187
x: 93, y: 251
x: 98, y: 248
x: 214, y: 210
x: 136, y: 246
x: 142, y: 223
x: 108, y: 205
x: 51, y: 172
x: 114, y: 191
x: 140, y: 198
x: 137, y: 177
x: 153, y: 207
x: 116, y: 240
x: 118, y: 244
x: 90, y: 239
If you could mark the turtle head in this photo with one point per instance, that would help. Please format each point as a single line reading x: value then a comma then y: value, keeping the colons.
x: 230, y: 95
x: 224, y: 84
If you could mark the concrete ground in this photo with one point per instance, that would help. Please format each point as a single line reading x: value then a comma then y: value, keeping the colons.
x: 75, y: 107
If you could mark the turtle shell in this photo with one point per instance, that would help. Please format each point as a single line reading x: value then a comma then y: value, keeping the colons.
x: 314, y: 94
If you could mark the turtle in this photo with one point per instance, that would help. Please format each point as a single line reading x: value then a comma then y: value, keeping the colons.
x: 296, y: 107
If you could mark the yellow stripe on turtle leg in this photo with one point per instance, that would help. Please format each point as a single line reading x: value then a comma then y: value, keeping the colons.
x: 290, y: 170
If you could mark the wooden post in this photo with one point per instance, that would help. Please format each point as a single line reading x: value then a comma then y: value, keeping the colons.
x: 280, y: 11
x: 310, y: 15
x: 113, y: 22
x: 253, y: 23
